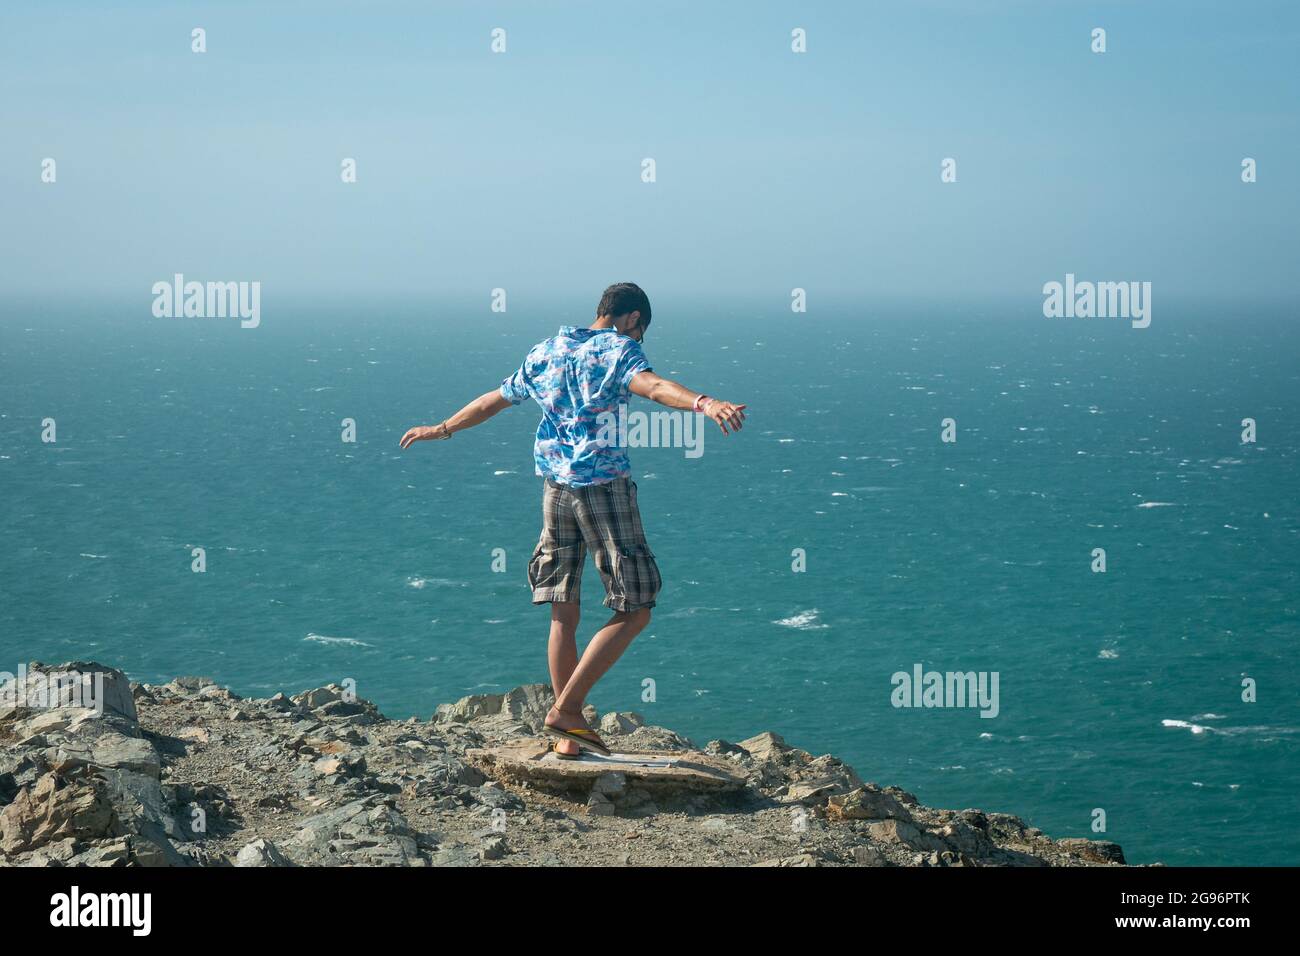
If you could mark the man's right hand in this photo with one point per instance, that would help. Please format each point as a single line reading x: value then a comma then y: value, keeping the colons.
x: 726, y: 414
x: 424, y: 433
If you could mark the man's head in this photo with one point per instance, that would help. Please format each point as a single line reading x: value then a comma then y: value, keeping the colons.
x: 627, y: 308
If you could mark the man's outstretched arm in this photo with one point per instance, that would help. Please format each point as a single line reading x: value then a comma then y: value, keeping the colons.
x: 729, y: 416
x: 475, y: 413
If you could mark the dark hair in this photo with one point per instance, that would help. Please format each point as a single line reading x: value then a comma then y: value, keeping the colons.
x: 622, y: 298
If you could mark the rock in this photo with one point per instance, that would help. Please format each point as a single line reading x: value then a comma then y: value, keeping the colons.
x: 1098, y: 851
x: 803, y: 859
x: 868, y: 802
x: 492, y: 795
x: 528, y: 705
x: 364, y: 832
x: 454, y: 856
x: 56, y: 809
x: 526, y: 761
x: 469, y: 708
x: 724, y: 748
x: 154, y: 852
x: 966, y: 839
x: 618, y: 725
x: 765, y: 746
x: 599, y: 805
x: 186, y: 686
x: 815, y: 781
x: 650, y: 739
x: 341, y: 765
x: 813, y: 792
x: 344, y: 708
x: 612, y: 785
x: 54, y: 853
x: 868, y: 856
x: 109, y: 688
x: 45, y: 721
x: 110, y: 750
x: 494, y: 848
x: 105, y: 853
x: 261, y: 853
x: 142, y: 808
x: 906, y: 834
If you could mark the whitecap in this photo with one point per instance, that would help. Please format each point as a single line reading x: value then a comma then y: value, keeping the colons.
x: 414, y: 582
x: 1107, y: 654
x: 1194, y: 728
x: 1156, y: 504
x: 803, y: 621
x: 326, y: 639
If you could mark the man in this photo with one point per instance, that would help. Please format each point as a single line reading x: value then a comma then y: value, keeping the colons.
x: 589, y: 501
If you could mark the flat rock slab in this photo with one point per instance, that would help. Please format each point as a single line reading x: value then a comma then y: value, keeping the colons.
x: 532, y: 761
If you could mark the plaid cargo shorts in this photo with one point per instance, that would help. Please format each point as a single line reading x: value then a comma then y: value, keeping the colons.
x: 605, y: 520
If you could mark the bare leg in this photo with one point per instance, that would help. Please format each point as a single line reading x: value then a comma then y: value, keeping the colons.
x: 562, y: 654
x: 600, y: 655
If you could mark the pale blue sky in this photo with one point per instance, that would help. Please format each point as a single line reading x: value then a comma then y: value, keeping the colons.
x: 775, y: 170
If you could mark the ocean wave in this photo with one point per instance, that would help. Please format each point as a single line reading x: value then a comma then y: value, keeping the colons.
x: 345, y: 641
x: 1259, y: 730
x: 689, y: 611
x: 1156, y: 504
x: 803, y: 621
x: 414, y: 582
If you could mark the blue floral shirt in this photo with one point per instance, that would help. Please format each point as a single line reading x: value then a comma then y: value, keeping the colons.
x: 576, y: 377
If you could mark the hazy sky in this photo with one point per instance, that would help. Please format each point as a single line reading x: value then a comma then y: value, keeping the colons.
x: 775, y: 169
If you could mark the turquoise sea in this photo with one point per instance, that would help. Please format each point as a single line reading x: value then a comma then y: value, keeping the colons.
x: 328, y: 560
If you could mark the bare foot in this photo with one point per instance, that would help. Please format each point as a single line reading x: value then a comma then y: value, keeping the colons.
x: 566, y: 720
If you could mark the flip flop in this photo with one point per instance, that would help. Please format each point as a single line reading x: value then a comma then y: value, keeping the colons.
x: 564, y: 756
x: 584, y: 737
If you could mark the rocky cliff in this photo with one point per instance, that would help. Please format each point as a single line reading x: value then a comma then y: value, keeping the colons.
x: 188, y: 774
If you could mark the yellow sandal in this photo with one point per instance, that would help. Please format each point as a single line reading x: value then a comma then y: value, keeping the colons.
x: 584, y: 737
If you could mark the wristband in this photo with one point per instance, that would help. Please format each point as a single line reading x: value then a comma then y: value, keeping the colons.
x: 699, y: 398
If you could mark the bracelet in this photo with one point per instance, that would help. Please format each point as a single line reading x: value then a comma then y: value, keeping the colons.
x: 699, y: 398
x: 446, y: 432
